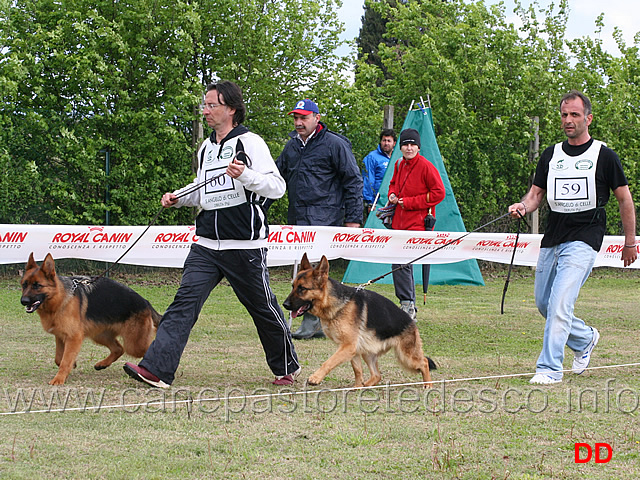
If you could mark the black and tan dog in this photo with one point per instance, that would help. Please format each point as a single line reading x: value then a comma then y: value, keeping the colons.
x: 72, y: 308
x: 362, y: 323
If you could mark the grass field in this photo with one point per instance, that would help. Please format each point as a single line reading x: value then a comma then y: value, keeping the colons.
x: 223, y: 418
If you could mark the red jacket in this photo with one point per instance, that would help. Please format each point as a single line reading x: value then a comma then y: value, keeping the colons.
x: 418, y: 183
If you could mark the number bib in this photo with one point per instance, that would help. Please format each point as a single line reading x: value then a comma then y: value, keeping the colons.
x: 571, y: 182
x: 221, y: 192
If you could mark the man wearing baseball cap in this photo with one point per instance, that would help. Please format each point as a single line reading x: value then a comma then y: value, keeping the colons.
x: 323, y: 181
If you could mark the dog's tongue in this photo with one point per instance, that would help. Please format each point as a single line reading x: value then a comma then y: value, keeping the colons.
x: 300, y: 311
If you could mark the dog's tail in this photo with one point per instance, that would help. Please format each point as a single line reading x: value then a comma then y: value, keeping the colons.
x: 432, y: 364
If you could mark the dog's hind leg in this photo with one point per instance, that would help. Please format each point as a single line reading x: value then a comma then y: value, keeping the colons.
x: 108, y: 339
x: 138, y: 335
x: 356, y: 363
x: 426, y: 372
x: 371, y: 360
x: 409, y: 354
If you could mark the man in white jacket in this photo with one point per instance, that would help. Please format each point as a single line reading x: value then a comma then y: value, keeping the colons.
x: 239, y: 177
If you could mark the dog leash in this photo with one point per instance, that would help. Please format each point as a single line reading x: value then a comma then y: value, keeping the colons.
x: 364, y: 285
x: 246, y: 160
x: 513, y: 256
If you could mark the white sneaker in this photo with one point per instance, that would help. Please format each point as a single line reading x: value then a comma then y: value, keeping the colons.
x: 581, y: 359
x: 544, y: 379
x: 409, y: 308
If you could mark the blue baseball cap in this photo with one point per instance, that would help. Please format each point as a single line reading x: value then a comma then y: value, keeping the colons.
x: 305, y: 107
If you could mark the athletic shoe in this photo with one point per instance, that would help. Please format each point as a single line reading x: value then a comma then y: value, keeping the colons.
x: 581, y: 359
x: 409, y: 308
x: 287, y: 379
x: 143, y: 375
x: 544, y: 379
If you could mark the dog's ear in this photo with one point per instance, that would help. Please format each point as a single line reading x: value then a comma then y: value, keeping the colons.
x: 48, y: 267
x: 31, y: 263
x: 323, y: 266
x: 304, y: 263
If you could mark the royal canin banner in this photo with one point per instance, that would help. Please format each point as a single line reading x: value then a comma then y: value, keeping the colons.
x: 169, y: 246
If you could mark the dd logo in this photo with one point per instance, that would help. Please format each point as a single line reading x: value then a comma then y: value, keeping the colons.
x: 598, y: 447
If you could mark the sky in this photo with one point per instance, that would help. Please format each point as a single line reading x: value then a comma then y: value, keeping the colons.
x: 624, y: 14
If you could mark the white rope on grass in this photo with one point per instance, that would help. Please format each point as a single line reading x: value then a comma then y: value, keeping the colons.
x: 191, y: 400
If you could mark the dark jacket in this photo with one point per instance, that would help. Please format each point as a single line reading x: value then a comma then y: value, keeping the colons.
x: 323, y: 180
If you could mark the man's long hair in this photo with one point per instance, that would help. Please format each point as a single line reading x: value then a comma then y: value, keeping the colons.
x: 230, y: 94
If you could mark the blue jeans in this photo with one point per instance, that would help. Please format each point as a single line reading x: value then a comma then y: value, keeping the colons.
x: 560, y: 273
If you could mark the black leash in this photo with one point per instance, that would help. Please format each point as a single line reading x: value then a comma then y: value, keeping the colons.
x: 246, y: 160
x: 513, y: 256
x: 364, y: 285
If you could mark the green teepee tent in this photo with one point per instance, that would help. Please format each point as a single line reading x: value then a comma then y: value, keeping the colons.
x: 448, y: 215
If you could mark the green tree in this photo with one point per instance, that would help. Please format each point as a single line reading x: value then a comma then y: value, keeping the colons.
x: 471, y: 64
x: 372, y: 33
x: 85, y: 78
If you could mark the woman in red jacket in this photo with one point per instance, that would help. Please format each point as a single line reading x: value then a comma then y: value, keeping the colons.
x: 416, y: 188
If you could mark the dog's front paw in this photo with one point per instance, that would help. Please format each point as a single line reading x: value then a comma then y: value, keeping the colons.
x: 57, y: 380
x: 314, y: 379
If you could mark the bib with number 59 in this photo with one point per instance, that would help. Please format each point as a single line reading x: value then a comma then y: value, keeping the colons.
x: 571, y: 182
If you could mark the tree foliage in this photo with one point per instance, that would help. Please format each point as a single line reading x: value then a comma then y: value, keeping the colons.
x: 84, y: 80
x: 487, y: 81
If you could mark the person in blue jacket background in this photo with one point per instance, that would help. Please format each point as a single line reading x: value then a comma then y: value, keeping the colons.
x: 375, y: 166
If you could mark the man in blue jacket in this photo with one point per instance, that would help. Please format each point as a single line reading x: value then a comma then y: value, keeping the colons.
x: 323, y: 182
x: 375, y: 166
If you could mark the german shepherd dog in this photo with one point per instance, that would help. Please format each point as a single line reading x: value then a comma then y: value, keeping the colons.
x: 72, y: 308
x: 362, y: 323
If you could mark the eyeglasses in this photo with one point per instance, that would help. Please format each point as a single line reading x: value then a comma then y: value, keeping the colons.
x: 211, y: 106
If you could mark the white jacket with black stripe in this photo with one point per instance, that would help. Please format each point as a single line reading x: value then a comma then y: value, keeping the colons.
x: 233, y: 211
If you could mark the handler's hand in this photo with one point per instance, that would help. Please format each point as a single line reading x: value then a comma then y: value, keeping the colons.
x: 169, y: 199
x: 517, y: 209
x: 235, y: 168
x: 629, y: 255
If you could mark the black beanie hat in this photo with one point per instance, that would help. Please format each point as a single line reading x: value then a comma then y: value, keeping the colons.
x: 410, y: 135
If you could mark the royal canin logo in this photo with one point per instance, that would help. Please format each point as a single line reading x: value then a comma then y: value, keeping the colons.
x: 432, y: 241
x: 188, y: 236
x: 94, y: 235
x: 287, y: 234
x: 502, y: 244
x: 362, y: 237
x: 13, y: 237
